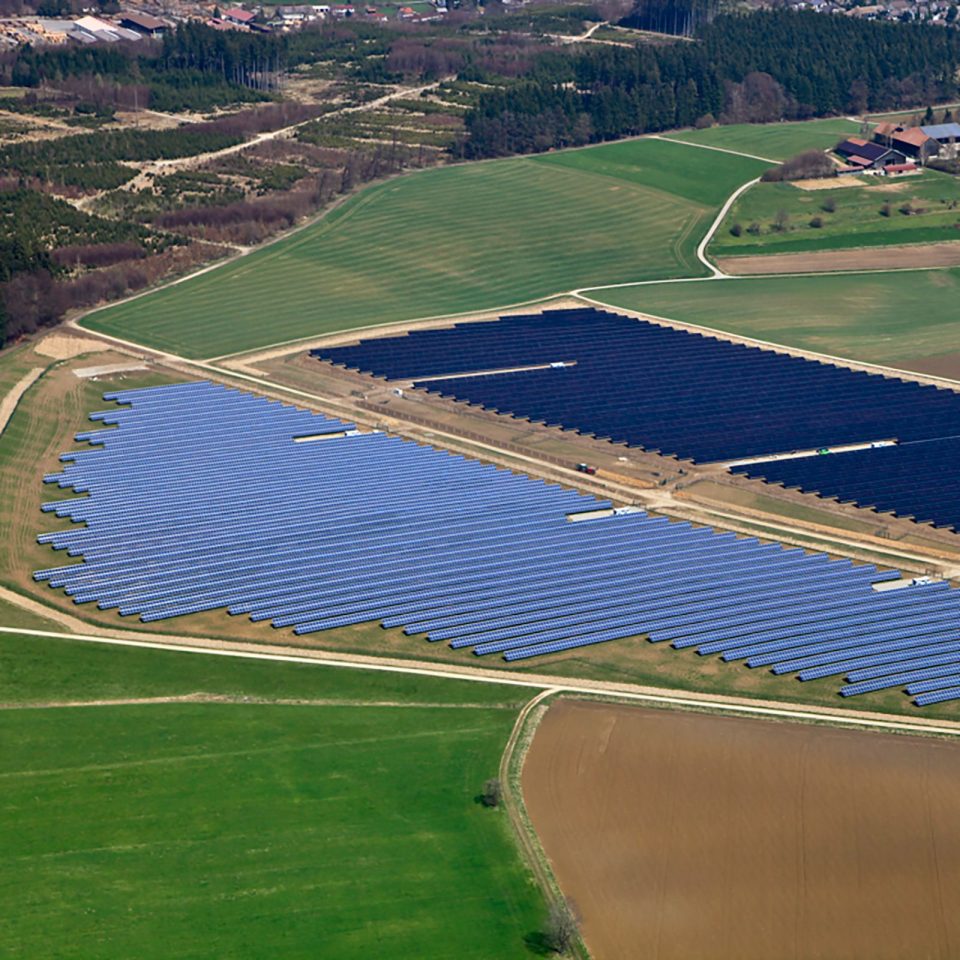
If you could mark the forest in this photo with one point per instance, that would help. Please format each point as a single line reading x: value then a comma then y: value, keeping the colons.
x: 514, y: 92
x: 765, y: 66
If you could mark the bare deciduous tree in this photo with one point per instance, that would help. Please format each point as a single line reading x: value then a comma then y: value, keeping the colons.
x: 563, y: 925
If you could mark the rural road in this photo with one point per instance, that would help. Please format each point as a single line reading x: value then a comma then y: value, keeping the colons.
x: 621, y: 691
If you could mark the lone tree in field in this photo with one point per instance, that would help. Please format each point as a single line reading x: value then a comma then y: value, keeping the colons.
x: 563, y: 925
x: 492, y: 792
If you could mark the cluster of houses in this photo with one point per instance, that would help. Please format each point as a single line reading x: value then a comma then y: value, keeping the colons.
x: 134, y: 25
x: 943, y: 12
x: 897, y: 149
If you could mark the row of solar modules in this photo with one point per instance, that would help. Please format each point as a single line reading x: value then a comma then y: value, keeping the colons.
x: 650, y: 386
x: 199, y: 499
x: 916, y: 480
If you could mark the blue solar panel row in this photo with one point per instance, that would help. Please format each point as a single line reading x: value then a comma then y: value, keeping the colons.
x: 199, y: 497
x: 679, y: 393
x: 916, y: 480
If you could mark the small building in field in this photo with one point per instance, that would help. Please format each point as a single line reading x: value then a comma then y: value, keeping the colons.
x: 865, y: 155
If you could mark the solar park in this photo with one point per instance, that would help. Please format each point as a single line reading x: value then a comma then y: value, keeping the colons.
x: 670, y: 391
x: 196, y: 497
x: 912, y: 479
x: 679, y: 393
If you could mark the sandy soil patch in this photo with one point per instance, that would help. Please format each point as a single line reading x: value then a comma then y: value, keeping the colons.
x: 907, y: 256
x: 62, y: 347
x: 107, y: 369
x: 827, y: 183
x: 692, y: 836
x: 10, y: 401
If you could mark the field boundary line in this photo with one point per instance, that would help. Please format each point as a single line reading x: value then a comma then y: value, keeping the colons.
x: 316, y: 337
x: 677, y: 698
x: 525, y: 835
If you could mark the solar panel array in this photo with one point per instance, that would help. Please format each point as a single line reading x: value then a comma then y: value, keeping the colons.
x: 670, y: 391
x: 197, y: 497
x: 916, y: 480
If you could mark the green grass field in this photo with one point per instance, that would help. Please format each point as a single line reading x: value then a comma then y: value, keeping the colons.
x: 251, y: 829
x: 878, y: 211
x: 777, y: 141
x: 877, y: 317
x: 449, y: 240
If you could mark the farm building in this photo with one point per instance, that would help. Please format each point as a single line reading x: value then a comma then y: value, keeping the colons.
x: 864, y: 155
x: 901, y: 169
x: 143, y: 23
x: 943, y: 133
x: 238, y: 16
x: 915, y: 142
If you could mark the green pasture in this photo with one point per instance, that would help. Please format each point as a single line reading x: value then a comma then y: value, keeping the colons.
x: 923, y: 208
x: 876, y: 317
x: 347, y: 828
x: 450, y: 240
x: 777, y: 141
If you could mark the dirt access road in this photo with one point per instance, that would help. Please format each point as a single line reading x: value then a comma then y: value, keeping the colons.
x: 695, y: 837
x: 156, y: 168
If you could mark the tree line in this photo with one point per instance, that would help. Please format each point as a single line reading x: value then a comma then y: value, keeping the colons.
x: 764, y: 66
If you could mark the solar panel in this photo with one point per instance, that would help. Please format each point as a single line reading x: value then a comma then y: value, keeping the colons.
x: 201, y: 499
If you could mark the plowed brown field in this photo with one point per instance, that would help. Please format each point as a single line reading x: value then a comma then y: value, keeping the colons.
x: 908, y: 256
x: 691, y: 836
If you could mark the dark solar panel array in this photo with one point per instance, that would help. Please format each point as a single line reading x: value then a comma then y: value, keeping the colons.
x: 200, y: 498
x: 665, y: 390
x: 917, y: 480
